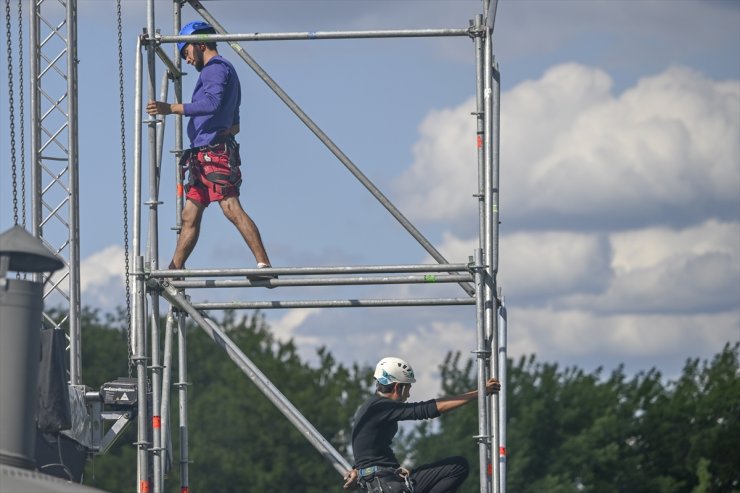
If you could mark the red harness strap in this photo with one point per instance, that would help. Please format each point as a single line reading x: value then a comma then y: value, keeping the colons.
x: 214, y: 167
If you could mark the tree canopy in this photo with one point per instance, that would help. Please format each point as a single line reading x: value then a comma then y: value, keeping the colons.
x: 572, y: 431
x: 568, y: 430
x: 239, y: 442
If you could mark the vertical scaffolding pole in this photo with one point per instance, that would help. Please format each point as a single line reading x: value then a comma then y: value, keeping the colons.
x: 495, y: 133
x: 177, y: 21
x: 137, y: 347
x: 480, y: 130
x: 182, y: 384
x: 482, y: 354
x: 136, y: 233
x: 491, y: 199
x: 35, y: 69
x: 156, y: 368
x: 502, y: 362
x: 182, y: 393
x: 142, y: 483
x: 75, y: 340
x: 153, y: 247
x: 484, y: 351
x: 153, y: 264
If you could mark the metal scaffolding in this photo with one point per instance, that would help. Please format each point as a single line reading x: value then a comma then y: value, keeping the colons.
x: 477, y: 279
x: 55, y: 200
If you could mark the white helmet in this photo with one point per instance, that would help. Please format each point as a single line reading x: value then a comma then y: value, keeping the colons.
x: 391, y: 370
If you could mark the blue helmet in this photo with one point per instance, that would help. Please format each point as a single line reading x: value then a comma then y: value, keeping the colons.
x: 195, y: 27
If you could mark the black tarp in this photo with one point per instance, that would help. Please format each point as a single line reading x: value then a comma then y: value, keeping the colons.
x: 53, y: 411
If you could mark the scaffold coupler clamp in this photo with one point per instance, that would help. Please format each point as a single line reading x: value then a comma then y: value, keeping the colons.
x: 475, y: 31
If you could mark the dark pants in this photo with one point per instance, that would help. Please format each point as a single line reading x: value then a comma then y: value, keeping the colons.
x: 443, y: 476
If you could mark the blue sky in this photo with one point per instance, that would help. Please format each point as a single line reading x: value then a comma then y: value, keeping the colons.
x: 620, y: 181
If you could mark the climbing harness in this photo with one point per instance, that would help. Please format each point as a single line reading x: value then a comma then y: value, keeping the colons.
x: 378, y: 479
x: 213, y: 167
x: 124, y: 187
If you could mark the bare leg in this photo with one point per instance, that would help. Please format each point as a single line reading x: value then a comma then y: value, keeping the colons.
x: 233, y: 211
x: 192, y: 213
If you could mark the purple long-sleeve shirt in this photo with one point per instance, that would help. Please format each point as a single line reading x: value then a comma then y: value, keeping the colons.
x: 215, y: 103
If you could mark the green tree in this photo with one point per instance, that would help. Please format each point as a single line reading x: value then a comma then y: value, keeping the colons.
x: 571, y: 431
x: 239, y: 442
x: 691, y: 430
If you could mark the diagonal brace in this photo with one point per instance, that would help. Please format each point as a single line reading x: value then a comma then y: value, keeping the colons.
x: 210, y: 327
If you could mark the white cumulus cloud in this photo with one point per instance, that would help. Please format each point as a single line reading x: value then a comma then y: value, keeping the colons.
x: 573, y: 154
x: 102, y: 278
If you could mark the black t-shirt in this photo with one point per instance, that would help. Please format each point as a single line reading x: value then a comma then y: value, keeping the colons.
x: 376, y: 423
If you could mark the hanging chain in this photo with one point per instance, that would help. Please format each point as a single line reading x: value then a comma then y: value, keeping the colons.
x: 11, y: 111
x: 22, y: 113
x: 124, y: 187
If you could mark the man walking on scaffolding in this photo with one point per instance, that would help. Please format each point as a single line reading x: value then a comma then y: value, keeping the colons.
x: 213, y: 158
x: 376, y: 468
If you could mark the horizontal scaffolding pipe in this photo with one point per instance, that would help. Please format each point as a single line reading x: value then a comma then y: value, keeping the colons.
x: 266, y: 305
x: 251, y: 370
x: 312, y: 35
x: 324, y: 281
x: 288, y: 271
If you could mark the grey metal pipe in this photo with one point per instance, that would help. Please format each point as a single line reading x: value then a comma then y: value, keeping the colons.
x: 314, y: 35
x: 179, y: 196
x: 156, y: 382
x: 482, y: 352
x: 357, y: 269
x: 324, y: 447
x: 136, y: 199
x: 326, y: 281
x: 489, y: 8
x: 176, y: 22
x: 139, y: 358
x: 502, y: 362
x: 155, y: 155
x: 75, y: 338
x: 484, y: 405
x: 491, y: 240
x: 153, y: 201
x: 164, y: 406
x: 327, y: 142
x: 267, y: 305
x: 35, y: 153
x: 182, y: 392
x: 480, y: 132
